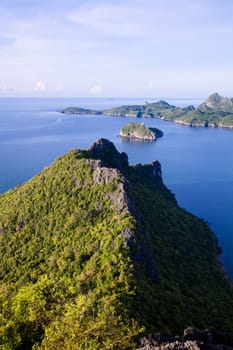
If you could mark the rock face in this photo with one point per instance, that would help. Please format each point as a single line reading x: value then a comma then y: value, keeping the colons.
x: 192, y: 339
x: 154, y: 169
x: 106, y: 151
x: 109, y: 165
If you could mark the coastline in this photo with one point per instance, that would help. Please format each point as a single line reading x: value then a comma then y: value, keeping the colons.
x: 216, y: 111
x: 129, y: 115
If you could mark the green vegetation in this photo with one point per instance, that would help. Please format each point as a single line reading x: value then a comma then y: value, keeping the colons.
x: 216, y: 111
x: 78, y: 110
x: 92, y: 257
x: 148, y: 110
x: 140, y: 131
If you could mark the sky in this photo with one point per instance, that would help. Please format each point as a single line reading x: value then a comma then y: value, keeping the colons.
x: 123, y: 48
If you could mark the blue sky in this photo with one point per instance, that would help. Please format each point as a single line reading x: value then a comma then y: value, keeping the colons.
x: 130, y: 48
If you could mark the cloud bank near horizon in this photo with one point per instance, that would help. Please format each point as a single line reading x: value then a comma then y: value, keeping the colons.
x: 131, y: 48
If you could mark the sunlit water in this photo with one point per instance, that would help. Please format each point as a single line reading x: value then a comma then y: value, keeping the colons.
x: 197, y: 162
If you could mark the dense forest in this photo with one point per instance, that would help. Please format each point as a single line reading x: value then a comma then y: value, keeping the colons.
x: 96, y: 253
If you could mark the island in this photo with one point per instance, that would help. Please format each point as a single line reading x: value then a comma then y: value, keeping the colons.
x: 216, y: 111
x: 138, y: 131
x: 79, y: 110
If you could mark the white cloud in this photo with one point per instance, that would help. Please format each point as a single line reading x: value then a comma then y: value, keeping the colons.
x: 110, y: 19
x: 153, y: 47
x: 40, y: 86
x: 96, y: 89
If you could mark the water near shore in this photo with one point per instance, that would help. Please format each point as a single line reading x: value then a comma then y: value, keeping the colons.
x: 197, y: 162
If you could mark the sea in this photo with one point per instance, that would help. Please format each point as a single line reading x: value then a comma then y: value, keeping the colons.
x: 197, y: 163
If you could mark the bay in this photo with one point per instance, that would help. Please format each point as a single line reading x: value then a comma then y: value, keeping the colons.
x: 196, y: 162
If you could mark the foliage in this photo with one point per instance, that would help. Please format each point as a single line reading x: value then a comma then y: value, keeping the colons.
x: 215, y: 111
x: 137, y: 130
x: 191, y: 288
x: 140, y: 131
x: 78, y: 110
x: 61, y: 243
x: 77, y: 247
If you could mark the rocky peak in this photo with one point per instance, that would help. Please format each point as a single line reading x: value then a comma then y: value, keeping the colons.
x: 215, y: 98
x: 105, y: 150
x: 217, y: 103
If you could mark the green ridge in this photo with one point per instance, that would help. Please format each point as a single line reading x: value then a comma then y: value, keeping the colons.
x: 216, y: 111
x: 95, y: 253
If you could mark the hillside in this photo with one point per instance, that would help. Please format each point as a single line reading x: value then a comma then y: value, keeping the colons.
x: 217, y: 103
x: 148, y: 110
x: 96, y: 253
x: 216, y: 111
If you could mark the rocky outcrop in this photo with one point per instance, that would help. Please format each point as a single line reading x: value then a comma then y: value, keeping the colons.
x: 109, y: 165
x: 192, y: 339
x: 106, y: 151
x: 153, y: 168
x: 107, y: 155
x: 102, y: 175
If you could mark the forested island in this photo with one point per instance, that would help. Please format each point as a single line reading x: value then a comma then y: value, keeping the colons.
x: 138, y: 131
x: 216, y: 111
x: 96, y: 254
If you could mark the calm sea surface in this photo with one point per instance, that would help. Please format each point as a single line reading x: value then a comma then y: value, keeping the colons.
x: 197, y: 163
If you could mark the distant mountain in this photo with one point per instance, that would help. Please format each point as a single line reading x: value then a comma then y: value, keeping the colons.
x: 95, y: 254
x: 217, y: 103
x: 216, y: 111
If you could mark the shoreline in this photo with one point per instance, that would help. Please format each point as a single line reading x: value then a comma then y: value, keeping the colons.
x: 128, y: 115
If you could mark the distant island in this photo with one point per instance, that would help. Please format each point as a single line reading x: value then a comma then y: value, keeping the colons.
x: 138, y: 131
x: 79, y: 110
x: 216, y: 111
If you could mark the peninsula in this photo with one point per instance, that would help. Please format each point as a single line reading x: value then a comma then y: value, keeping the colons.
x: 96, y: 254
x: 138, y: 131
x: 216, y: 111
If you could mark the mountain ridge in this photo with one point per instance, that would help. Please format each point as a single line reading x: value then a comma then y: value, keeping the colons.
x: 95, y: 253
x: 216, y: 111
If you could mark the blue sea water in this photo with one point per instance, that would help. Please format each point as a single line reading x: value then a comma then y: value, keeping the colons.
x: 197, y: 163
